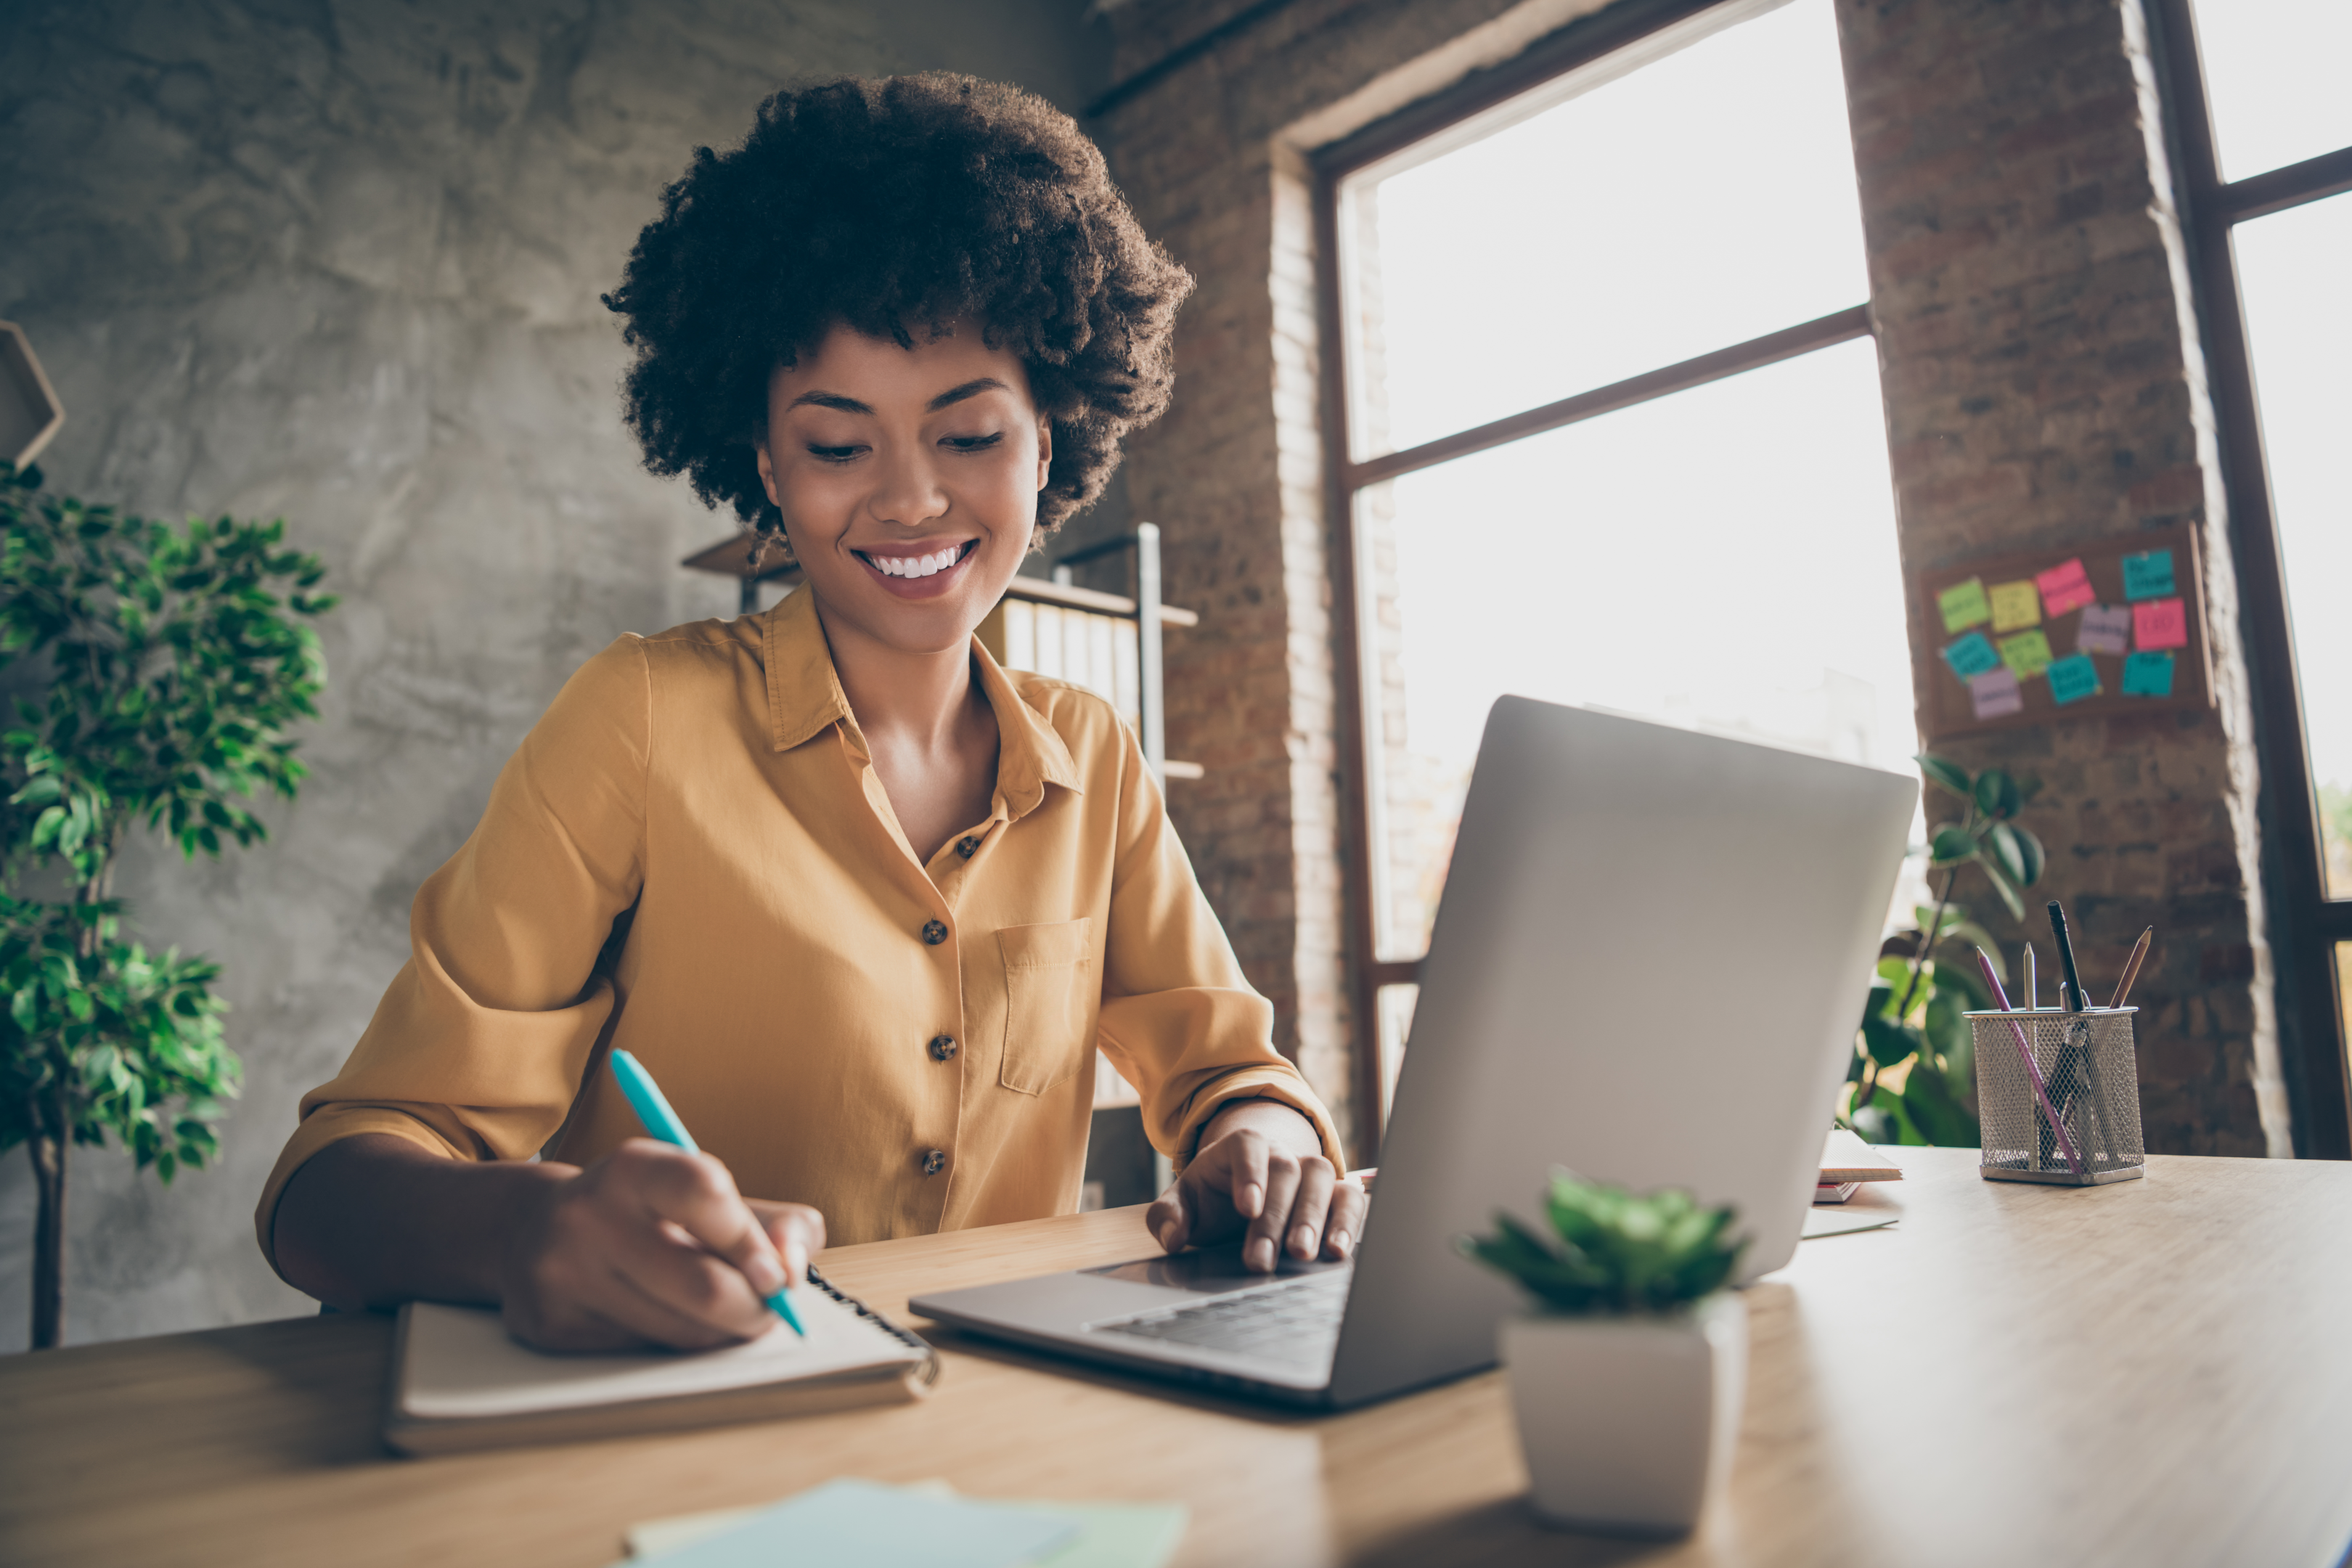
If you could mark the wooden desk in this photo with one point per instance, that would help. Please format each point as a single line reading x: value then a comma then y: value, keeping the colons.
x: 2151, y: 1373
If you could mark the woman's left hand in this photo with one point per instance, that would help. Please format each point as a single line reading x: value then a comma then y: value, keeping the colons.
x: 1260, y: 1174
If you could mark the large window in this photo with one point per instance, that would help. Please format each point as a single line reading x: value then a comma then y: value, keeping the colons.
x: 1612, y: 432
x: 2265, y: 130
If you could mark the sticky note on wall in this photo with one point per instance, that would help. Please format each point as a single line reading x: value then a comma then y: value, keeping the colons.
x: 2148, y: 675
x: 2026, y: 654
x: 2073, y: 677
x: 2160, y: 624
x: 2148, y: 575
x: 2065, y: 587
x: 1972, y: 655
x: 1963, y: 604
x: 2014, y: 606
x: 1995, y: 692
x: 2104, y: 628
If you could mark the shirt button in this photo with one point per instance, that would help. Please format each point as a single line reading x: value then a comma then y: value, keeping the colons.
x: 935, y: 933
x: 966, y: 848
x: 934, y: 1161
x: 943, y: 1047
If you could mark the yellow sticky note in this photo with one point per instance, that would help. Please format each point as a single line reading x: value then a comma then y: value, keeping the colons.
x: 2015, y: 605
x: 1963, y: 606
x: 2027, y: 653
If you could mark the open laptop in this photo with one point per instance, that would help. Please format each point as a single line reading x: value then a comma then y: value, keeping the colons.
x: 1646, y: 966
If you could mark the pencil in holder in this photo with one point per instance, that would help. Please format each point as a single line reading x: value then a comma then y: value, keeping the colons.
x: 2080, y: 1126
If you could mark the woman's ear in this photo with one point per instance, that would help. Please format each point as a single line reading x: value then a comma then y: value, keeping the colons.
x: 768, y: 473
x: 1044, y: 452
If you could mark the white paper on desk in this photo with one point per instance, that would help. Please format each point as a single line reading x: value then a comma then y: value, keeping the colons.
x: 460, y: 1363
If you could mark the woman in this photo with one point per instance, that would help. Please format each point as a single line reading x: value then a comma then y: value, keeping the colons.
x: 863, y: 902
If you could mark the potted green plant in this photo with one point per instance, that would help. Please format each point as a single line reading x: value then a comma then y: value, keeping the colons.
x: 165, y: 670
x: 1628, y: 1369
x: 1913, y: 1076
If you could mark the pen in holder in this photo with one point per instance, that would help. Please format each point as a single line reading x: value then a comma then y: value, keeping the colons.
x: 2090, y: 1079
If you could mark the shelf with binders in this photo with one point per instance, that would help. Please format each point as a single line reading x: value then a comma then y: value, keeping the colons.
x: 1103, y: 642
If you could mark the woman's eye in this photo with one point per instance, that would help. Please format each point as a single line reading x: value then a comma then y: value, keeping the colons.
x: 835, y: 454
x: 972, y: 443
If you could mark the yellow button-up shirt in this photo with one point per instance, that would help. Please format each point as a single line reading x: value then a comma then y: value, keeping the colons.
x: 690, y: 857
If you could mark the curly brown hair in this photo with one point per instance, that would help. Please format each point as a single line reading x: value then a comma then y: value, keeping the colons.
x: 895, y: 205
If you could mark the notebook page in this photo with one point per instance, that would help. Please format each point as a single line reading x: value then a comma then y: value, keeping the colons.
x: 461, y: 1363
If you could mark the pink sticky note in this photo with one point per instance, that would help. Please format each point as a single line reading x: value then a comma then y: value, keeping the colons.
x: 2104, y: 628
x: 2065, y: 587
x: 2159, y: 623
x: 1995, y: 692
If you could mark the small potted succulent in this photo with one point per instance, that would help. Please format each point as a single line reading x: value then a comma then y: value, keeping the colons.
x: 1628, y: 1370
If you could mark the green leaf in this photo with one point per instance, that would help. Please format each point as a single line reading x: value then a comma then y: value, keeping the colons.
x: 2001, y: 840
x: 2032, y: 859
x: 1950, y: 845
x: 1937, y: 1113
x: 1888, y: 1041
x: 2008, y: 894
x: 1946, y: 775
x: 1996, y: 794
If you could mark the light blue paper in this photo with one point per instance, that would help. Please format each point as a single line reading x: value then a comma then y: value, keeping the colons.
x: 2148, y: 675
x: 878, y: 1527
x: 2073, y: 677
x: 1971, y: 655
x: 2148, y: 575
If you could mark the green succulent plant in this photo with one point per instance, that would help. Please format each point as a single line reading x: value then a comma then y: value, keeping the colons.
x: 1617, y: 1252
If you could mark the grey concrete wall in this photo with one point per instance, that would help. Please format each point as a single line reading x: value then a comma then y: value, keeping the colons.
x: 338, y: 260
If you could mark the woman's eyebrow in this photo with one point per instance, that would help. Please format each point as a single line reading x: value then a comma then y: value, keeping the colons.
x: 951, y: 395
x: 969, y: 389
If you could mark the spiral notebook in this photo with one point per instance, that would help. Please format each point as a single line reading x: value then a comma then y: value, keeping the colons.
x: 459, y: 1382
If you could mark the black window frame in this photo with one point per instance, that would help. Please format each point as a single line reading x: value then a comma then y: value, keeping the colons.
x: 1620, y: 27
x: 2305, y: 923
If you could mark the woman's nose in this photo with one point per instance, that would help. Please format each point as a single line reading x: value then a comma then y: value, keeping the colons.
x: 907, y: 489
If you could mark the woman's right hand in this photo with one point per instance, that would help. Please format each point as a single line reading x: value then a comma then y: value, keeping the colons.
x: 650, y: 1245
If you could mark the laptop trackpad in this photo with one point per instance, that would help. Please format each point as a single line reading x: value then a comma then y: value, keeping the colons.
x: 1211, y: 1271
x: 1062, y: 1302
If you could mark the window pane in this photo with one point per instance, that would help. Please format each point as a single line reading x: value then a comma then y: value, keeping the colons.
x: 2291, y: 270
x: 2275, y: 77
x: 1395, y: 1004
x: 1698, y: 202
x: 1725, y: 557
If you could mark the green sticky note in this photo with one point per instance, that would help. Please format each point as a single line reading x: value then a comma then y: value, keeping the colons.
x: 1972, y: 655
x: 2148, y: 575
x: 1964, y: 605
x: 2027, y: 653
x: 2148, y: 675
x: 2073, y: 677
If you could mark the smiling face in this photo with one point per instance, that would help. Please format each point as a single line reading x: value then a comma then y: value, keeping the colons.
x: 908, y: 479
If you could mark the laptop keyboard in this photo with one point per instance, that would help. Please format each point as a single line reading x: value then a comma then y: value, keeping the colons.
x: 1296, y: 1322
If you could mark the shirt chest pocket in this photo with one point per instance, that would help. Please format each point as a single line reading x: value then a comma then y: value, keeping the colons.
x: 1051, y: 996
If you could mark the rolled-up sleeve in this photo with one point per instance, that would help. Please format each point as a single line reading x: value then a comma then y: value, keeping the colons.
x: 1179, y: 1019
x: 478, y: 1049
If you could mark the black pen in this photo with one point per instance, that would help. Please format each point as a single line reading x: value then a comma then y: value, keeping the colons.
x: 2078, y: 1046
x: 2073, y: 998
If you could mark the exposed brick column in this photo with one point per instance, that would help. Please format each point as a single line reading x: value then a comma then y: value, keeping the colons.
x: 2044, y: 386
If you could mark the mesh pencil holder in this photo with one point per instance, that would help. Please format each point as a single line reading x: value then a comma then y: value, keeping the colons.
x: 2089, y: 1131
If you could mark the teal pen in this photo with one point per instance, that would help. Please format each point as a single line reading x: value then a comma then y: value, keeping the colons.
x: 644, y: 1098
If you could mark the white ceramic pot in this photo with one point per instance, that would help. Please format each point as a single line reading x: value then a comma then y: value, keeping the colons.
x: 1628, y: 1424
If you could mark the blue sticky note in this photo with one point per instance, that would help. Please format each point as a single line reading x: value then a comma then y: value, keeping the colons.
x: 2073, y: 677
x: 880, y: 1527
x: 2148, y: 575
x: 1971, y: 655
x: 2148, y: 675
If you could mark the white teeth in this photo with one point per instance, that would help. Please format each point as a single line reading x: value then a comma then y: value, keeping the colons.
x: 917, y: 565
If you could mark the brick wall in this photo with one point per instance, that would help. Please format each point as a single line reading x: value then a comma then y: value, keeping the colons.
x: 2044, y: 386
x: 2042, y: 382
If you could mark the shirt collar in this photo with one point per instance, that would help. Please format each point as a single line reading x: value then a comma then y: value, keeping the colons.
x: 804, y: 698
